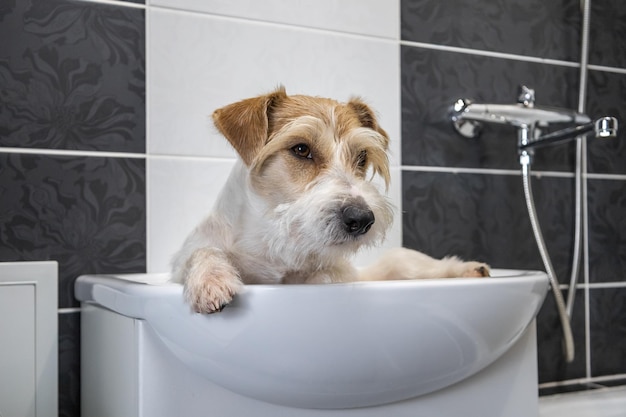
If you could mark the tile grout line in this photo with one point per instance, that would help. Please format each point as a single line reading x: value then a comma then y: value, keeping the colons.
x: 110, y: 154
x: 71, y: 152
x: 285, y: 25
x: 148, y: 167
x: 408, y: 168
x: 117, y: 3
x: 585, y: 258
x: 510, y: 56
x: 490, y: 54
x: 69, y: 310
x: 585, y: 380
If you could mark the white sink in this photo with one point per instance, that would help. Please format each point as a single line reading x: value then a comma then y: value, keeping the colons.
x: 339, y: 345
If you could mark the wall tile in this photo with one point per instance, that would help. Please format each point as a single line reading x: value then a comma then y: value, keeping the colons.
x: 72, y: 76
x: 607, y: 45
x: 370, y: 17
x: 182, y: 192
x: 546, y: 29
x: 69, y: 365
x: 608, y: 331
x: 606, y: 96
x: 200, y: 63
x: 607, y: 230
x: 433, y: 80
x: 86, y: 213
x: 484, y: 217
x: 550, y: 357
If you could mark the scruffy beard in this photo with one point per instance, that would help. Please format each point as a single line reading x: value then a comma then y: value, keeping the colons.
x: 310, y: 230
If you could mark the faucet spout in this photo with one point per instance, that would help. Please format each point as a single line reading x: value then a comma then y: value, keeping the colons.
x: 604, y: 127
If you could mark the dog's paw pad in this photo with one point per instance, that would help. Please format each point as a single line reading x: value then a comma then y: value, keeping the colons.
x: 476, y: 270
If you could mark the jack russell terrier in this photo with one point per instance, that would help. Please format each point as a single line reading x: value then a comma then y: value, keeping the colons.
x: 298, y: 203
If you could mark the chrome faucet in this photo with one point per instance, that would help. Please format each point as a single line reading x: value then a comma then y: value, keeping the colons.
x: 468, y: 118
x: 530, y: 120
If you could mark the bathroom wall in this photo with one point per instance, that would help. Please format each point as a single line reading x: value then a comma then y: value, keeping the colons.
x: 72, y: 149
x: 108, y: 157
x: 107, y: 153
x: 465, y: 196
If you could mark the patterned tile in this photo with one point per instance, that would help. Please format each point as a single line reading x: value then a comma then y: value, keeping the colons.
x: 87, y: 213
x: 484, y: 217
x: 433, y: 80
x: 606, y: 96
x: 546, y: 29
x: 607, y: 33
x: 607, y: 230
x: 550, y: 358
x: 608, y: 331
x: 69, y: 365
x: 73, y: 76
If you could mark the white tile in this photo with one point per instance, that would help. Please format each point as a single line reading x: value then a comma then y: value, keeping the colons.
x: 198, y: 63
x: 181, y: 192
x: 367, y: 17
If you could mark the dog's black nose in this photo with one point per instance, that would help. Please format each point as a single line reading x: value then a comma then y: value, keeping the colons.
x: 357, y: 220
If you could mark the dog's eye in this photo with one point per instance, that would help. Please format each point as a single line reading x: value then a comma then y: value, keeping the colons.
x: 302, y: 150
x: 361, y: 161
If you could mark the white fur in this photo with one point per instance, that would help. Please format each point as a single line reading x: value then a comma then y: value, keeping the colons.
x: 265, y: 228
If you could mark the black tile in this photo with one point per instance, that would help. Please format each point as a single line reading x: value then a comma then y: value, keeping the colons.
x: 569, y: 388
x: 69, y: 365
x: 548, y: 29
x: 484, y: 217
x: 608, y: 331
x: 613, y: 383
x: 551, y: 362
x: 87, y: 213
x: 72, y: 76
x: 607, y: 230
x: 433, y: 80
x: 607, y: 38
x: 606, y: 96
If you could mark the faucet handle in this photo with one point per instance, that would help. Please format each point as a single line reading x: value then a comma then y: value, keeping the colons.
x: 526, y: 96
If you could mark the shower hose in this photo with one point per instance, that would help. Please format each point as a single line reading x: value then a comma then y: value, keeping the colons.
x: 543, y: 251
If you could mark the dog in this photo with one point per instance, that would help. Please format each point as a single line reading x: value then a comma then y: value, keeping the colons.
x: 298, y: 203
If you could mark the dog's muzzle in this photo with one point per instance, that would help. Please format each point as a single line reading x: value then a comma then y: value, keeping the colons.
x: 357, y: 218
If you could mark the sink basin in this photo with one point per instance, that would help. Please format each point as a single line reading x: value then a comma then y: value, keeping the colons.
x: 338, y: 345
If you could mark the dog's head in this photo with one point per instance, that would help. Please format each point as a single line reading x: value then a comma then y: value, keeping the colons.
x: 311, y: 161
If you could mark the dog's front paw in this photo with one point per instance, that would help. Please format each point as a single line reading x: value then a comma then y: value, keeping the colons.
x: 475, y: 270
x: 211, y: 281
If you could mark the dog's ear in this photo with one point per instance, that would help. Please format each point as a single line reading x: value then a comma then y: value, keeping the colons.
x: 379, y: 160
x: 245, y: 123
x: 367, y: 117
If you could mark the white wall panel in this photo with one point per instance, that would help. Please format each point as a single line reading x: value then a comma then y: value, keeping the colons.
x: 204, y: 55
x: 199, y: 63
x: 181, y: 192
x: 379, y: 18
